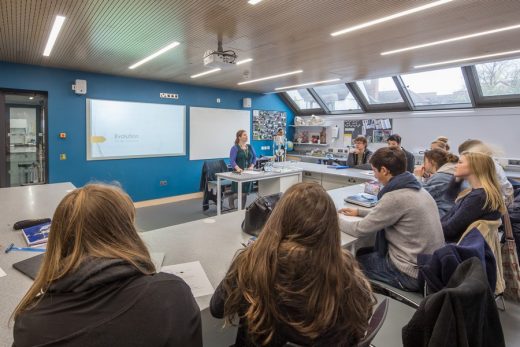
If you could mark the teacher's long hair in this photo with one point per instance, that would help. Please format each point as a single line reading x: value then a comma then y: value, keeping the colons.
x: 239, y: 133
x: 94, y: 221
x: 296, y: 274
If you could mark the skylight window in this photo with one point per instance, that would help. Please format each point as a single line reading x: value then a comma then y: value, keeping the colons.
x: 303, y: 99
x: 499, y: 77
x: 337, y: 98
x: 380, y: 91
x: 439, y: 87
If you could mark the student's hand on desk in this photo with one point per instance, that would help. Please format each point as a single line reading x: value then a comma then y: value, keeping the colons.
x: 251, y: 167
x: 349, y: 211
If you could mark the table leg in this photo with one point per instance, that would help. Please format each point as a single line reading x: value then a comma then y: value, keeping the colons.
x: 239, y: 207
x: 219, y: 200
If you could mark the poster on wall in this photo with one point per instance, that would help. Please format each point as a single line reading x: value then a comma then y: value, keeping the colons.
x: 266, y: 123
x: 375, y: 130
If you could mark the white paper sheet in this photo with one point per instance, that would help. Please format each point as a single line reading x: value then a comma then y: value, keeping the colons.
x: 251, y: 172
x: 2, y: 273
x: 194, y: 275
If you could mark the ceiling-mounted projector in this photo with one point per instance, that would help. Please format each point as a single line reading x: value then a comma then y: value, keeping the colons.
x: 223, y: 60
x: 220, y: 58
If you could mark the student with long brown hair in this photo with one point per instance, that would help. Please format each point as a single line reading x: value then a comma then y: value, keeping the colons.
x: 439, y: 165
x: 97, y: 285
x: 296, y: 283
x: 482, y: 201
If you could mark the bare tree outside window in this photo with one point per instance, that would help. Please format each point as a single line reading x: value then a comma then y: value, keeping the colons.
x: 499, y: 77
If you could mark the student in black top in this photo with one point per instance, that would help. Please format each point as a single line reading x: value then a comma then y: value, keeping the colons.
x: 295, y: 283
x: 359, y: 157
x: 395, y: 140
x: 97, y: 285
x: 482, y: 201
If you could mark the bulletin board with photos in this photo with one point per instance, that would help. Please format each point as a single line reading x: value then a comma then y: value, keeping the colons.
x: 266, y: 123
x: 375, y: 130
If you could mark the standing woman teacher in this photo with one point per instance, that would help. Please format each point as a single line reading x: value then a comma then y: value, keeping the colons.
x: 242, y: 157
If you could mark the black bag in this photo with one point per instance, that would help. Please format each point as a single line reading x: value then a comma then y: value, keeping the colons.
x: 258, y: 212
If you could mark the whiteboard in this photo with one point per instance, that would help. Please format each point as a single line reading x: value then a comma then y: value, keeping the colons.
x: 120, y: 129
x: 213, y: 131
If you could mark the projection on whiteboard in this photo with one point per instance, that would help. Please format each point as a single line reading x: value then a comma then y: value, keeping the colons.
x: 117, y: 130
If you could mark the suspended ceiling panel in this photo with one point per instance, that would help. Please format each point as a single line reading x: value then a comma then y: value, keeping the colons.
x: 107, y: 36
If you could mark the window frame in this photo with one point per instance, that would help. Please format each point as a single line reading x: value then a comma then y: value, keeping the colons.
x: 413, y: 107
x: 487, y: 101
x: 386, y: 107
x: 297, y: 109
x: 336, y: 112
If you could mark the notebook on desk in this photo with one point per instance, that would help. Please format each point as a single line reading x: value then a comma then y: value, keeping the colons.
x: 29, y: 267
x: 362, y: 199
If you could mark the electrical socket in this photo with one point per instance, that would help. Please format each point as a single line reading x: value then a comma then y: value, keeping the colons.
x: 163, y: 183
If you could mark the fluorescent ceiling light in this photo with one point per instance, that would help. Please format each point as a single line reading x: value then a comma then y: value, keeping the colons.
x: 307, y: 84
x: 254, y: 2
x: 467, y: 59
x: 56, y: 27
x: 156, y: 54
x: 205, y: 72
x: 271, y: 77
x: 452, y: 39
x: 244, y: 61
x: 393, y: 16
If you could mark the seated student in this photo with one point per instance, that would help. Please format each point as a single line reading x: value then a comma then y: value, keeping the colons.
x: 439, y: 165
x: 296, y: 283
x: 97, y: 285
x: 482, y: 201
x: 359, y: 158
x: 440, y: 142
x: 395, y: 140
x: 478, y: 146
x: 407, y: 214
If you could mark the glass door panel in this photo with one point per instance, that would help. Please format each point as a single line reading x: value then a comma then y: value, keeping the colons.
x: 25, y: 152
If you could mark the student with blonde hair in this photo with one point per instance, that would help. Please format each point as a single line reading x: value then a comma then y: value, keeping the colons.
x: 475, y: 145
x: 295, y: 283
x: 97, y: 285
x: 482, y: 201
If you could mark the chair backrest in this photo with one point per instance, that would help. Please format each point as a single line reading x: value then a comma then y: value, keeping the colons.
x: 489, y: 230
x: 211, y: 167
x: 376, y: 322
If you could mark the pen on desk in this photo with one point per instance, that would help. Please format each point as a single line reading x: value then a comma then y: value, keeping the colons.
x: 12, y: 247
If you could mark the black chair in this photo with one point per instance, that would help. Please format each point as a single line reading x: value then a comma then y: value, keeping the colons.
x: 208, y: 181
x: 412, y: 299
x: 375, y: 324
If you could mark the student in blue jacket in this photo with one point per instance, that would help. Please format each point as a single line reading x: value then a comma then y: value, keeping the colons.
x: 439, y: 165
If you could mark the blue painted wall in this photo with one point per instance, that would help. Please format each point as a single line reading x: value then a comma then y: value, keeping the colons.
x: 139, y: 177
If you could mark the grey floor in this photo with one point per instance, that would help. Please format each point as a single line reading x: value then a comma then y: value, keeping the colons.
x: 160, y: 216
x: 150, y: 218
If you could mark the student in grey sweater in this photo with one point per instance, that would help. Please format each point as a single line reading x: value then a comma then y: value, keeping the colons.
x: 439, y: 165
x: 406, y: 219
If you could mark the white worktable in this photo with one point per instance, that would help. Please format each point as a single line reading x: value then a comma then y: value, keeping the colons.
x: 18, y: 203
x: 285, y: 177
